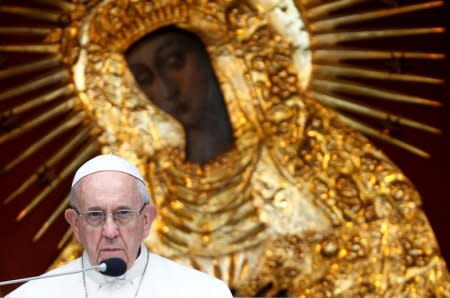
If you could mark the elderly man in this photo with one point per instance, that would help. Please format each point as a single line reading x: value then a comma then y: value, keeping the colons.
x: 111, y: 215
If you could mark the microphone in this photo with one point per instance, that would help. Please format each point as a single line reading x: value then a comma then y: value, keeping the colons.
x: 113, y: 267
x: 110, y: 267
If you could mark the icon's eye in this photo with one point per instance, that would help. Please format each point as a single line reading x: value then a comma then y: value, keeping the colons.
x: 141, y: 73
x: 175, y: 59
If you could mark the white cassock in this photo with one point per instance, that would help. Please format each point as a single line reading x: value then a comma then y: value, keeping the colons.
x: 150, y: 276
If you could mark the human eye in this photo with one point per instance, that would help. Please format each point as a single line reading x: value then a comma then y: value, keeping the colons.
x: 94, y: 217
x: 123, y: 214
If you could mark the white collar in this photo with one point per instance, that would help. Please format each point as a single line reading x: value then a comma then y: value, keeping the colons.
x: 135, y: 271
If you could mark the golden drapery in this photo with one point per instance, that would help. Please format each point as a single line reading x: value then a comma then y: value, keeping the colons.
x: 302, y: 203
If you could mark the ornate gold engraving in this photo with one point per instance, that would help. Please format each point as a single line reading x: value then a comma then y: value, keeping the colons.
x: 302, y: 203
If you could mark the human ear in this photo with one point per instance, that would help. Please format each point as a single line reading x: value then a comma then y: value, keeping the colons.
x: 149, y: 216
x: 71, y: 217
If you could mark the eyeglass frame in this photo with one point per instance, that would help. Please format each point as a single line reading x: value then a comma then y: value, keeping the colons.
x: 81, y: 215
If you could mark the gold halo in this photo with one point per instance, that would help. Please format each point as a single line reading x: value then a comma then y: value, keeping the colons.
x: 46, y: 79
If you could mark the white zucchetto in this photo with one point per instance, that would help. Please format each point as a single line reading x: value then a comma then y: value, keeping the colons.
x: 106, y: 162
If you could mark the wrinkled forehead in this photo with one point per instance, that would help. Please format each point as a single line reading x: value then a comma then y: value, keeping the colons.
x: 107, y: 188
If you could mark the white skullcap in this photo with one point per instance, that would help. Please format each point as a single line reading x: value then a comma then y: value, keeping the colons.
x: 107, y: 162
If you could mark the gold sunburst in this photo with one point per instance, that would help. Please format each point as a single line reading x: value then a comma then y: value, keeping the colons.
x: 38, y: 101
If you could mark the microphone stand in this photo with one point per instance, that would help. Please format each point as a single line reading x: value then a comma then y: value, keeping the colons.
x: 102, y: 268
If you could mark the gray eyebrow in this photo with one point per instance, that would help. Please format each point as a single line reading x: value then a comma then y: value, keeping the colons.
x: 123, y: 207
x: 95, y: 209
x: 118, y: 208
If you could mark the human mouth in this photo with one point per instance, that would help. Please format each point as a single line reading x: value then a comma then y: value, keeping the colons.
x: 110, y: 249
x: 110, y: 252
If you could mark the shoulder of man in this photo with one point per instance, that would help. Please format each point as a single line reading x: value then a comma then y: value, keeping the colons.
x: 51, y: 286
x: 186, y: 281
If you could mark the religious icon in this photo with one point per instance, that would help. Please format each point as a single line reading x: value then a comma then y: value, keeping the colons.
x: 256, y: 179
x: 172, y: 68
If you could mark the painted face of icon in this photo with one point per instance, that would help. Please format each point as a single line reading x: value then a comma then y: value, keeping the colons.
x: 173, y: 70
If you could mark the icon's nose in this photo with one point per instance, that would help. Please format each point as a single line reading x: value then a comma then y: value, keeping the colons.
x: 167, y: 88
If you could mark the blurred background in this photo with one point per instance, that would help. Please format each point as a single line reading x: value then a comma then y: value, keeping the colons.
x: 24, y: 253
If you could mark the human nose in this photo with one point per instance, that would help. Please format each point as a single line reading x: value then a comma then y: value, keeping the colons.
x: 110, y: 229
x: 166, y: 88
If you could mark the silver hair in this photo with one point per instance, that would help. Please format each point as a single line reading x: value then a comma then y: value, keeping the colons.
x: 142, y: 189
x: 145, y: 196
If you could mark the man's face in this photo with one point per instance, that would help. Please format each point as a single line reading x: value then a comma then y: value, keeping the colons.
x: 174, y: 72
x: 110, y: 191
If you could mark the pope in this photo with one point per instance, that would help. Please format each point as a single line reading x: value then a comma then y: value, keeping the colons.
x: 111, y: 214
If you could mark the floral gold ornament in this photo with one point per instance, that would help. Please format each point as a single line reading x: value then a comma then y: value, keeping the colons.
x: 303, y: 203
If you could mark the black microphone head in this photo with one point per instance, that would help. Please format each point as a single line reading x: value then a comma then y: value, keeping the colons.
x: 114, y: 267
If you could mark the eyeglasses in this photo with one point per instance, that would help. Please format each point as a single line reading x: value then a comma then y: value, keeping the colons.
x: 96, y: 218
